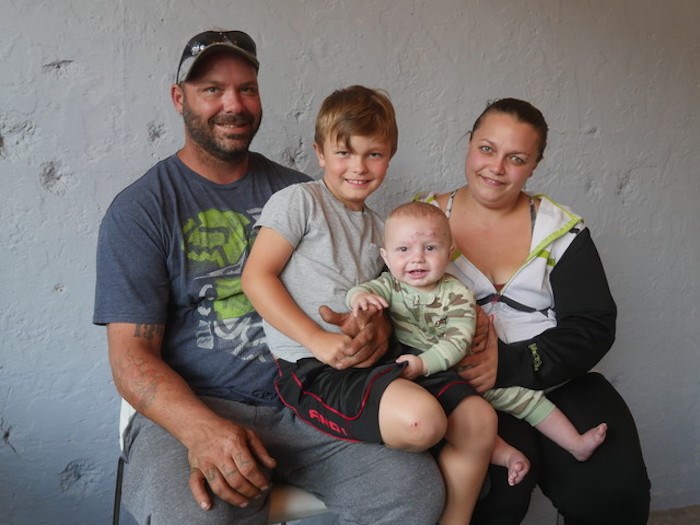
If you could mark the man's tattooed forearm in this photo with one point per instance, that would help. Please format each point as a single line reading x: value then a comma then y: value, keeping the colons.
x: 149, y: 331
x: 145, y: 380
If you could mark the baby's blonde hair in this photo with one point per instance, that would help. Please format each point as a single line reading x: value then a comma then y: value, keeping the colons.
x: 420, y: 210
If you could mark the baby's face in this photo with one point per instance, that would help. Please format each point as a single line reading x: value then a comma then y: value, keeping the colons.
x: 417, y: 250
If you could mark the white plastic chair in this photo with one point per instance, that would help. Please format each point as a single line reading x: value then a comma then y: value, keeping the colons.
x: 287, y: 503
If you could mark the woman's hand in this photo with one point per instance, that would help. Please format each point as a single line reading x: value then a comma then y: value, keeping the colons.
x: 481, y: 367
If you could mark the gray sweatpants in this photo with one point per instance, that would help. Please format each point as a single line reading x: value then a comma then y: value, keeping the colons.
x: 362, y: 483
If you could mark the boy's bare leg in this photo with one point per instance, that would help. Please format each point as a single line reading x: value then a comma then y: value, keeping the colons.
x: 471, y: 430
x: 511, y: 458
x: 557, y: 427
x: 410, y: 418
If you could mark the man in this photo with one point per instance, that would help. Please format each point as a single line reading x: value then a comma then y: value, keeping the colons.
x: 187, y: 349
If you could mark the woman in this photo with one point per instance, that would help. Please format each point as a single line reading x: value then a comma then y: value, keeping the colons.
x: 535, y: 270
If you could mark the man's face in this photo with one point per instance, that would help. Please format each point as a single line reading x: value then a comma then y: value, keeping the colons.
x: 221, y: 106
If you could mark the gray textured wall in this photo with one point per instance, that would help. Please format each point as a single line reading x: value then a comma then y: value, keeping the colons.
x: 85, y: 110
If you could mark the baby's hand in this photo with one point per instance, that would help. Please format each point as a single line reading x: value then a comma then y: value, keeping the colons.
x: 363, y: 300
x: 414, y: 368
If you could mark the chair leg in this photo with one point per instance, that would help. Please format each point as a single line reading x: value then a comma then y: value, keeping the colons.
x: 118, y: 492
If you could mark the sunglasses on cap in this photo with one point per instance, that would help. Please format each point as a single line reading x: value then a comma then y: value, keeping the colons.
x: 237, y: 41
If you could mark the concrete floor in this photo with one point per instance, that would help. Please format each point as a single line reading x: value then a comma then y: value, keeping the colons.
x: 685, y: 516
x: 543, y: 513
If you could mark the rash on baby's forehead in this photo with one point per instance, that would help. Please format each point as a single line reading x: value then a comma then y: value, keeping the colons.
x: 431, y: 233
x: 417, y: 226
x: 401, y: 230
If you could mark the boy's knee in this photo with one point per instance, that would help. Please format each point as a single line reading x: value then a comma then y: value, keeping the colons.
x: 424, y: 429
x: 412, y: 421
x: 418, y: 429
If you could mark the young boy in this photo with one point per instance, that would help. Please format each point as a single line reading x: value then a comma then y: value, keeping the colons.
x: 316, y: 241
x: 426, y: 307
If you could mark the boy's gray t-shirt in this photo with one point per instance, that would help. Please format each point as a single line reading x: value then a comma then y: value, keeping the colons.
x: 334, y: 249
x: 171, y: 249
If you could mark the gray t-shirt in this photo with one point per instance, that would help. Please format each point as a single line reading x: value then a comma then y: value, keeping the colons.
x: 171, y: 250
x: 334, y: 250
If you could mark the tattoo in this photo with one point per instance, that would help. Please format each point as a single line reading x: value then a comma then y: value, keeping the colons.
x: 210, y: 474
x: 231, y: 473
x: 241, y: 461
x: 149, y: 331
x: 144, y: 378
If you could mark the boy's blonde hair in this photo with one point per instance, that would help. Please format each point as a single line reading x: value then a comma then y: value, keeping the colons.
x: 420, y: 210
x: 357, y: 110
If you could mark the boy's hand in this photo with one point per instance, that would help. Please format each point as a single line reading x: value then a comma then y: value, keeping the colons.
x: 362, y: 301
x: 414, y: 368
x: 369, y: 330
x: 330, y: 347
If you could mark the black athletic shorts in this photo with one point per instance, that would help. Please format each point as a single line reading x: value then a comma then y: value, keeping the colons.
x: 345, y: 403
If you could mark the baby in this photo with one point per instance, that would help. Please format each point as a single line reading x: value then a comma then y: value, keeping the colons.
x: 426, y: 306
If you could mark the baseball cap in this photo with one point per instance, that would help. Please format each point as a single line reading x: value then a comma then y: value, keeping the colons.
x: 207, y: 42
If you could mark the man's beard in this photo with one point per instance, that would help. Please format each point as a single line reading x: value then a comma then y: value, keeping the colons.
x: 202, y: 134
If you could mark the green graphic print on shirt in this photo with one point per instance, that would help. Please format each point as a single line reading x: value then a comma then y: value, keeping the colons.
x: 216, y: 243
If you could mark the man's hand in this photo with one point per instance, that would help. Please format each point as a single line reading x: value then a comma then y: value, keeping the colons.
x: 232, y: 461
x: 370, y: 331
x: 224, y: 457
x: 480, y: 368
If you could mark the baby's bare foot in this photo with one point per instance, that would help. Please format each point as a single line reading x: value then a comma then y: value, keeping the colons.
x: 512, y: 459
x: 518, y: 466
x: 589, y: 442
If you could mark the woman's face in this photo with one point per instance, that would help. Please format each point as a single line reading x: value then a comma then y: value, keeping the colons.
x: 502, y: 155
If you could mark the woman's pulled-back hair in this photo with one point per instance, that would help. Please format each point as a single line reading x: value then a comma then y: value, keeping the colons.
x: 522, y: 111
